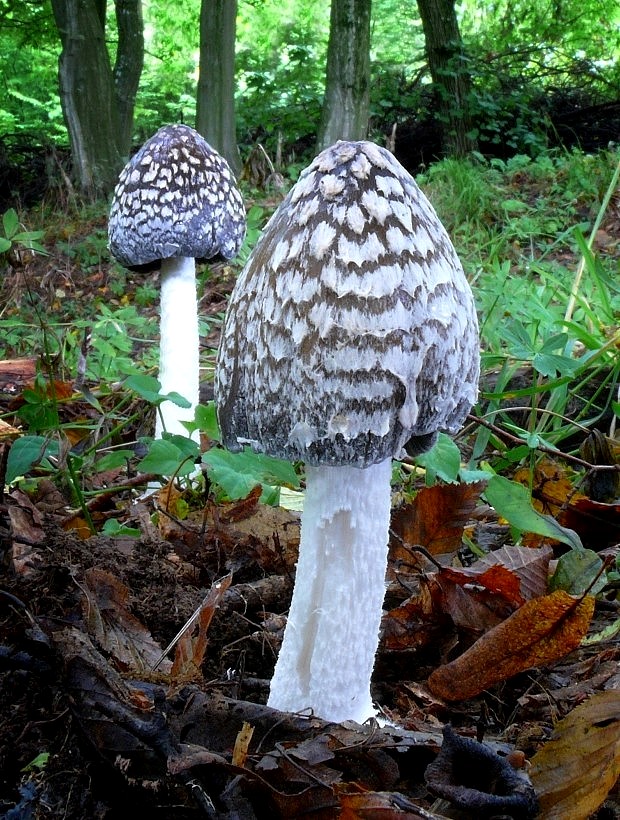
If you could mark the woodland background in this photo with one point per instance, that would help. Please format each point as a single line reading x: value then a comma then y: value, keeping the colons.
x: 503, y: 77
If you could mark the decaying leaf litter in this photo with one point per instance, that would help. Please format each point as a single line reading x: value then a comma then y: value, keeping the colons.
x: 94, y: 722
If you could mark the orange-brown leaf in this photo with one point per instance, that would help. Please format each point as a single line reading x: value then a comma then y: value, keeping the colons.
x: 575, y: 770
x: 435, y: 519
x: 515, y: 573
x: 541, y: 631
x: 370, y: 805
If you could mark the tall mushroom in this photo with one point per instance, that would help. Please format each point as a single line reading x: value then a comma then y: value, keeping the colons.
x: 176, y: 200
x: 351, y: 332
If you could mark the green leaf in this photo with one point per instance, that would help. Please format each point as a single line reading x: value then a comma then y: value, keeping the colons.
x: 512, y: 501
x: 552, y: 364
x: 5, y: 245
x: 25, y: 453
x: 10, y: 221
x: 147, y: 387
x: 576, y: 572
x: 113, y: 460
x: 165, y: 458
x: 206, y: 421
x: 113, y: 527
x: 443, y: 460
x: 238, y: 473
x: 38, y: 763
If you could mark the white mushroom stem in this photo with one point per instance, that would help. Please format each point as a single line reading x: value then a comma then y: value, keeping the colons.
x: 179, y: 344
x: 332, y: 633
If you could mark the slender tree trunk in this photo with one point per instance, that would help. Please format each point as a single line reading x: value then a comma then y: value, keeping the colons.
x: 128, y: 66
x: 347, y: 80
x: 215, y: 104
x: 87, y: 96
x: 451, y: 80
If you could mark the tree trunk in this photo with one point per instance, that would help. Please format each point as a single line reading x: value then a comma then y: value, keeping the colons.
x: 87, y: 96
x: 347, y: 80
x: 451, y: 80
x: 128, y: 66
x: 215, y: 104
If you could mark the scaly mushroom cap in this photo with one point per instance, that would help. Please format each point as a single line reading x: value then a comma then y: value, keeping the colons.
x: 352, y: 328
x: 175, y: 197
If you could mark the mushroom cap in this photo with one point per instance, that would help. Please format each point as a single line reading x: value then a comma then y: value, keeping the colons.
x: 175, y: 197
x: 352, y: 328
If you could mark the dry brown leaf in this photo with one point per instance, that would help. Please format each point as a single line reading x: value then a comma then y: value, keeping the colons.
x: 540, y: 632
x: 8, y: 432
x: 574, y: 772
x: 516, y: 573
x: 364, y: 805
x: 26, y: 532
x: 435, y: 520
x: 597, y: 522
x: 168, y: 498
x: 496, y: 578
x: 191, y: 648
x: 416, y: 621
x: 242, y: 744
x: 106, y: 612
x: 473, y: 609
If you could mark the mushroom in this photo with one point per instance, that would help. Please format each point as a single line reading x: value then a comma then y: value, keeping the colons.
x: 176, y: 200
x: 350, y: 334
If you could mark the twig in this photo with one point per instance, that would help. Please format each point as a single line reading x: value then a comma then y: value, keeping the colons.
x: 503, y: 434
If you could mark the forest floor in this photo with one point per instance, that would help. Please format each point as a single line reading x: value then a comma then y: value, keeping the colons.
x: 94, y: 724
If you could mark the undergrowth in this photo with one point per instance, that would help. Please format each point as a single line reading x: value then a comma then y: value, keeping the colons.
x: 537, y: 241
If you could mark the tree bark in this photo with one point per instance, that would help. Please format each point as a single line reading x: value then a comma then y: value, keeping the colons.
x: 128, y: 66
x: 215, y: 104
x: 347, y: 80
x: 87, y: 96
x: 451, y: 80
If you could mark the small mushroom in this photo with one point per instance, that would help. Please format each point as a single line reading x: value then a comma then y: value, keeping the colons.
x: 176, y: 200
x: 350, y: 334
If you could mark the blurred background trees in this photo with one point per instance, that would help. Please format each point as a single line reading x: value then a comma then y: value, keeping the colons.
x: 428, y: 79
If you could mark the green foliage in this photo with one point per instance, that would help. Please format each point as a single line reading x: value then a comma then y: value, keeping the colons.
x: 512, y: 501
x: 15, y: 236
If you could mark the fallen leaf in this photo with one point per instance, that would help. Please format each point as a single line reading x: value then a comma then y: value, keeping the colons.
x: 575, y: 770
x: 242, y: 744
x: 540, y: 632
x: 416, y: 622
x: 381, y: 805
x: 191, y: 648
x: 106, y: 612
x: 435, y: 519
x: 8, y: 432
x: 516, y: 573
x: 596, y: 522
